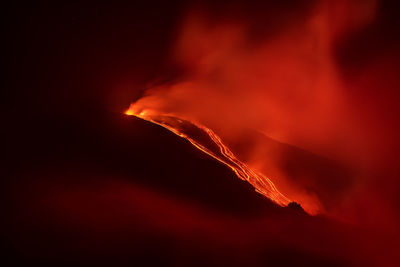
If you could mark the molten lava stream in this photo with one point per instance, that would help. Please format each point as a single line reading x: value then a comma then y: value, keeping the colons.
x: 207, y: 141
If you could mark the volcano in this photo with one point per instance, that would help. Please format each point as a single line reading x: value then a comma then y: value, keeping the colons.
x: 122, y: 196
x: 259, y: 133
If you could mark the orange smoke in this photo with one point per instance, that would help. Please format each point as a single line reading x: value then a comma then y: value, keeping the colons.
x: 284, y: 85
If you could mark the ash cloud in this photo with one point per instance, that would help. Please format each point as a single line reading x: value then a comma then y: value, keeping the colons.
x: 283, y: 76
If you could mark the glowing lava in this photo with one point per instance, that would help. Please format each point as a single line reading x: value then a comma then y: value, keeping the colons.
x: 207, y: 141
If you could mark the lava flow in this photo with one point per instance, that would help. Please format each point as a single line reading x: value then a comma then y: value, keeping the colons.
x: 210, y: 143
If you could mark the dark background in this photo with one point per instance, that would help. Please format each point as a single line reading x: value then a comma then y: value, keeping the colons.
x: 86, y: 184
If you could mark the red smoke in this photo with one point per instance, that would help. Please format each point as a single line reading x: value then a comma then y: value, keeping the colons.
x: 287, y: 82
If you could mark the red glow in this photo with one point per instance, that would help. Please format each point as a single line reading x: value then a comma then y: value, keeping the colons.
x: 138, y: 119
x: 287, y: 86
